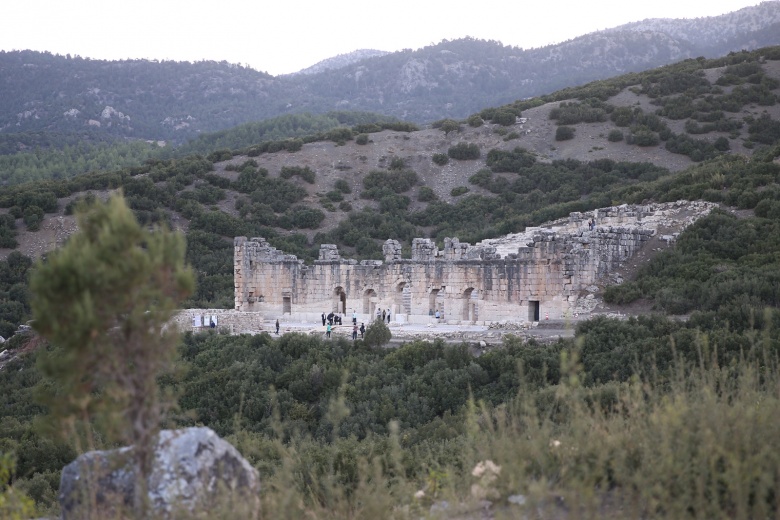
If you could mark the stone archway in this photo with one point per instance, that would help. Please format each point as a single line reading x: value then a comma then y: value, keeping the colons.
x: 402, y: 299
x: 432, y: 301
x: 470, y: 297
x: 339, y: 300
x: 369, y: 302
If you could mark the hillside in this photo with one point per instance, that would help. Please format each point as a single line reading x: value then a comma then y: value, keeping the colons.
x: 628, y: 139
x: 177, y: 101
x: 670, y: 415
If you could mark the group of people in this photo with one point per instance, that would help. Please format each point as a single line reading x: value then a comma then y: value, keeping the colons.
x: 332, y: 319
x: 383, y: 314
x: 335, y: 319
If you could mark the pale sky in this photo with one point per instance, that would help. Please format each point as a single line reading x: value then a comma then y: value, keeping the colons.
x: 280, y: 37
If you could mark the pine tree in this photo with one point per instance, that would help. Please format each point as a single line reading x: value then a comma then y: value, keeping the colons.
x: 104, y: 302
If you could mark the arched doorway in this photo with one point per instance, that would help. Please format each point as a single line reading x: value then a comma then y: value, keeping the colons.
x: 432, y: 301
x: 470, y: 309
x: 403, y: 299
x: 436, y: 300
x: 369, y: 302
x: 339, y: 300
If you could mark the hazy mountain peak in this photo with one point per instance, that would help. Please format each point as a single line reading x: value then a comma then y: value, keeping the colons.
x: 342, y: 60
x: 710, y: 30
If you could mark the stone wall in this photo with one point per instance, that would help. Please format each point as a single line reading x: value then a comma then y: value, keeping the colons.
x: 199, y: 320
x: 523, y: 277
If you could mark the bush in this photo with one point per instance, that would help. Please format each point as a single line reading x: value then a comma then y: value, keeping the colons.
x: 397, y: 163
x: 220, y: 155
x: 464, y: 151
x: 460, y: 190
x: 564, y: 133
x: 378, y: 183
x: 361, y: 139
x: 475, y: 121
x: 342, y: 186
x: 615, y: 136
x: 447, y: 126
x: 426, y: 194
x: 33, y: 216
x: 377, y: 334
x: 503, y: 118
x: 334, y: 196
x: 440, y: 158
x: 645, y: 138
x: 304, y: 173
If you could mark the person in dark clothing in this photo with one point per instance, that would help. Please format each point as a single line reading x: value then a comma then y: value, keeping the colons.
x: 354, y: 332
x: 383, y: 315
x: 362, y: 330
x: 330, y: 319
x: 388, y: 316
x: 277, y: 327
x: 323, y: 319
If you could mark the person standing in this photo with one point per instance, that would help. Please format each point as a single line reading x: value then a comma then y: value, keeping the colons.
x: 354, y: 317
x: 388, y: 316
x: 327, y: 331
x: 362, y: 330
x: 323, y: 319
x: 354, y: 332
x: 383, y: 315
x: 277, y: 326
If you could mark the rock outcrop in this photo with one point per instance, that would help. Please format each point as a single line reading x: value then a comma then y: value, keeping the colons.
x: 194, y: 470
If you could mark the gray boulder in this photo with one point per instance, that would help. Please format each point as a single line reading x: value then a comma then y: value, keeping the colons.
x: 193, y: 471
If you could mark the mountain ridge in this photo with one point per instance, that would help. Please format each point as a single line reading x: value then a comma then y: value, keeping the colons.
x: 140, y: 99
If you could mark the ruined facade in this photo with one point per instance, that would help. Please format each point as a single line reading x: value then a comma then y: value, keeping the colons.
x: 529, y: 276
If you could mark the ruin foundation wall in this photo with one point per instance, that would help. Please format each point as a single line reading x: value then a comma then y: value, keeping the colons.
x: 524, y: 277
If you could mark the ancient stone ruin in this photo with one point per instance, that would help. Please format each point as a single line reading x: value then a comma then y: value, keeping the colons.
x: 530, y: 276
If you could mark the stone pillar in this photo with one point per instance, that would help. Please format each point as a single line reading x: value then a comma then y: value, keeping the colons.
x: 424, y: 250
x: 329, y: 252
x: 392, y: 250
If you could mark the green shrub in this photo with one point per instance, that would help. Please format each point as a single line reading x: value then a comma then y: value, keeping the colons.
x: 377, y: 334
x: 503, y: 118
x: 397, y: 163
x: 220, y: 155
x: 426, y: 194
x: 33, y: 217
x: 615, y: 136
x: 361, y: 139
x: 447, y: 125
x: 464, y: 151
x: 475, y: 121
x: 342, y: 186
x: 304, y: 173
x: 460, y: 190
x: 564, y: 133
x: 378, y: 183
x: 645, y: 138
x: 334, y: 196
x: 440, y: 158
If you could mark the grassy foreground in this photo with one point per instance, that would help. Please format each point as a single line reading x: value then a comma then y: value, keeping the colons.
x: 700, y: 444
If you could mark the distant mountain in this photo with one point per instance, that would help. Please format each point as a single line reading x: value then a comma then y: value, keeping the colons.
x: 727, y: 31
x: 176, y: 101
x: 342, y: 60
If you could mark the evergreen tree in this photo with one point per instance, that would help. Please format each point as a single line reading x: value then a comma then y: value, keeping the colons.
x: 104, y: 301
